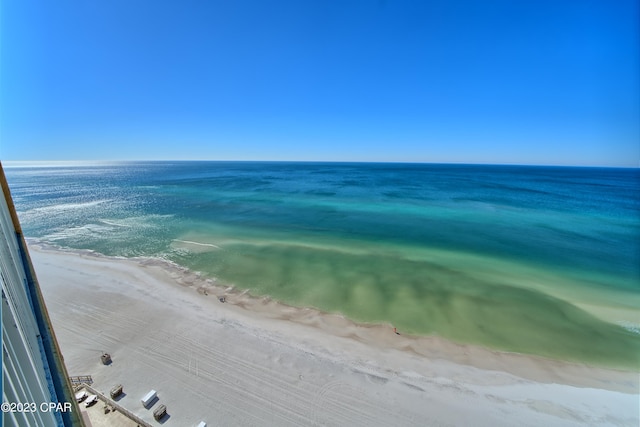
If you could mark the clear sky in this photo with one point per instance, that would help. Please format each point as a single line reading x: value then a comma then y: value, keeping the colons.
x: 487, y: 81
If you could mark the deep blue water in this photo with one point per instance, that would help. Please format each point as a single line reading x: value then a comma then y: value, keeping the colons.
x: 583, y: 218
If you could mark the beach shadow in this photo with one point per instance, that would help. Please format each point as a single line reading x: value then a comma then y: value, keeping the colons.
x: 120, y: 397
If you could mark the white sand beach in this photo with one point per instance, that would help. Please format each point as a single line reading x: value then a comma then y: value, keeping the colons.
x: 254, y: 362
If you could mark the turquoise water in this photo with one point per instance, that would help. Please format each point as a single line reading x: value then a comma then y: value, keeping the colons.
x: 540, y: 260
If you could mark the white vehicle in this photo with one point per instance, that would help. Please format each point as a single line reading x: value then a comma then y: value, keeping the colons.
x: 90, y: 400
x: 81, y: 395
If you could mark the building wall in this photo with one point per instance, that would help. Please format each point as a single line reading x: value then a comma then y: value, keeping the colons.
x: 32, y: 367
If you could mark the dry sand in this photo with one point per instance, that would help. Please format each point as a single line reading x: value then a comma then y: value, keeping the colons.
x: 255, y: 362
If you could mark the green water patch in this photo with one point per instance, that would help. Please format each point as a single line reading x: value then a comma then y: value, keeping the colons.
x: 423, y: 297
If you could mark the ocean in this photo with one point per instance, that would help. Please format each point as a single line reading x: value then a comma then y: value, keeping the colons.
x: 536, y: 260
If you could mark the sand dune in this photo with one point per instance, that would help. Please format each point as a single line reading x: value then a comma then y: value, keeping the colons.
x: 253, y: 361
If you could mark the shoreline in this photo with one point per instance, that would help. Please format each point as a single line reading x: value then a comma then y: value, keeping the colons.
x: 279, y: 365
x: 382, y: 336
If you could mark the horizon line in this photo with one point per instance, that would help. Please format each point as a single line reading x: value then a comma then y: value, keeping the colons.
x: 60, y: 163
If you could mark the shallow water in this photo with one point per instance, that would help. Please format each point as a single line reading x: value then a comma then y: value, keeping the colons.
x: 541, y: 260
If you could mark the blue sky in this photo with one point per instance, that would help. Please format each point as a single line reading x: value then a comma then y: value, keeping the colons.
x: 532, y: 82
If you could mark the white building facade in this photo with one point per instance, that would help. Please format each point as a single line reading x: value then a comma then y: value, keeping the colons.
x: 35, y: 386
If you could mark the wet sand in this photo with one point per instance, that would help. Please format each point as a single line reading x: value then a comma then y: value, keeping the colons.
x: 254, y: 361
